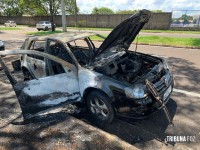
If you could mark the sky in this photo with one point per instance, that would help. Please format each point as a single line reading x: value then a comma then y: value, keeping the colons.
x: 86, y: 6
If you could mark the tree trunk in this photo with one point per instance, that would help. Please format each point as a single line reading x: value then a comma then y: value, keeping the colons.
x: 75, y: 12
x: 52, y: 15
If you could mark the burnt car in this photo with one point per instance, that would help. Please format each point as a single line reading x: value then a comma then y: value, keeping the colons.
x: 109, y: 81
x: 2, y: 47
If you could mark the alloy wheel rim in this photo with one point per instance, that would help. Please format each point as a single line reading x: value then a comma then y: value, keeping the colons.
x: 98, y: 107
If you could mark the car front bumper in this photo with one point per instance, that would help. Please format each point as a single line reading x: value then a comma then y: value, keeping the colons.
x: 133, y: 109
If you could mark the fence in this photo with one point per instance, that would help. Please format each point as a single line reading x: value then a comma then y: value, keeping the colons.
x: 185, y: 20
x: 157, y: 20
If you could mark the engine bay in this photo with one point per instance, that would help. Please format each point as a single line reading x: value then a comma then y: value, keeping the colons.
x: 125, y: 66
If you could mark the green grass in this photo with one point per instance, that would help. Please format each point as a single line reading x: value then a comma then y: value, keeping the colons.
x: 145, y: 31
x: 96, y: 29
x: 164, y: 41
x: 170, y: 31
x: 9, y: 28
x: 97, y: 38
x: 170, y: 41
x: 41, y: 33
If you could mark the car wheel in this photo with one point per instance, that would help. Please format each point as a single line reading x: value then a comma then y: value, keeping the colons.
x: 38, y: 29
x: 46, y: 29
x: 100, y: 108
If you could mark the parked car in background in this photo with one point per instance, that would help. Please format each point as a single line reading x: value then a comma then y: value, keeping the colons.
x: 44, y: 25
x: 10, y: 23
x: 2, y: 47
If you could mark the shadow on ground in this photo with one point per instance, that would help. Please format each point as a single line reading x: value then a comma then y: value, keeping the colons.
x: 56, y: 131
x: 156, y: 123
x: 140, y: 130
x: 188, y: 75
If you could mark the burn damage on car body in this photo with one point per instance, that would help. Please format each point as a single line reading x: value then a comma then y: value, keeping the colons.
x: 133, y: 84
x: 43, y: 93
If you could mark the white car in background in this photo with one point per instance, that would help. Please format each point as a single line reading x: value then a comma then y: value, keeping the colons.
x: 44, y: 25
x: 10, y: 23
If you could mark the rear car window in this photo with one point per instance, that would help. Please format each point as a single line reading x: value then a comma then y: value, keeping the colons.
x: 78, y: 43
x: 37, y: 46
x: 41, y: 22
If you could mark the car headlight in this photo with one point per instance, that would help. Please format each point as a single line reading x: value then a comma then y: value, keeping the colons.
x: 1, y: 43
x: 137, y: 91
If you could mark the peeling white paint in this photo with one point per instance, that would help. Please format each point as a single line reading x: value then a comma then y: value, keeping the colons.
x: 59, y: 100
x: 87, y: 79
x: 64, y: 83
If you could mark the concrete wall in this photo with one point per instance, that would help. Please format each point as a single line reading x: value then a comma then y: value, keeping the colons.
x: 185, y: 28
x: 157, y: 20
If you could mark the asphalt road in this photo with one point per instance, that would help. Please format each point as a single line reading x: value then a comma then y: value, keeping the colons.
x: 183, y: 106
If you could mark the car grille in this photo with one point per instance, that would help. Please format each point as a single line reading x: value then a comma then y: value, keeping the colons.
x: 163, y: 83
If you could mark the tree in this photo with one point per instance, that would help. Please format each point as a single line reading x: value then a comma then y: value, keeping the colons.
x: 70, y: 7
x: 134, y: 11
x: 36, y: 7
x: 43, y: 8
x: 126, y: 11
x: 185, y: 18
x: 156, y: 11
x: 102, y: 10
x: 48, y: 7
x: 11, y: 8
x: 195, y: 21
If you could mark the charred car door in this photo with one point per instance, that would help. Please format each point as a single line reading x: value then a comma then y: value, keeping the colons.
x: 37, y: 63
x: 47, y: 92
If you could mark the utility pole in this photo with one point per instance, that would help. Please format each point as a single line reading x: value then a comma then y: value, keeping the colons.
x: 75, y: 12
x: 63, y: 16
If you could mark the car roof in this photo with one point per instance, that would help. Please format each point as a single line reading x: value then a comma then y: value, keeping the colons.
x: 63, y: 37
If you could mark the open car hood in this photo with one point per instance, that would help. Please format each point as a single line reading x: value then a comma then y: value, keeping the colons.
x: 124, y: 34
